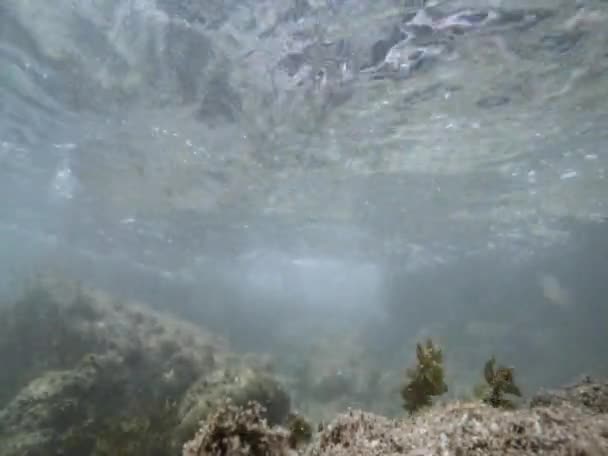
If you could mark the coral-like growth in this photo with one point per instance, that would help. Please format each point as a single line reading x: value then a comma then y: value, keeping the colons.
x: 500, y: 381
x: 426, y: 379
x: 240, y: 385
x: 300, y: 430
x: 146, y: 432
x: 83, y: 373
x: 472, y: 429
x: 587, y: 393
x: 236, y: 431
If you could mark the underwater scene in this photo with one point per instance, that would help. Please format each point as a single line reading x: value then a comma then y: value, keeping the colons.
x: 303, y: 227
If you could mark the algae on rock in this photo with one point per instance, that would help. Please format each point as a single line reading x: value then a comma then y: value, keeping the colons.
x: 232, y: 430
x: 241, y: 385
x: 300, y: 430
x: 470, y: 429
x: 97, y: 376
x: 586, y: 393
x: 52, y: 406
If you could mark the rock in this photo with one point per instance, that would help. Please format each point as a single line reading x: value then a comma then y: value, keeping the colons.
x: 58, y: 403
x: 467, y: 429
x: 587, y: 393
x: 241, y: 385
x: 57, y: 325
x: 83, y: 373
x: 92, y: 373
x: 37, y: 337
x: 233, y: 430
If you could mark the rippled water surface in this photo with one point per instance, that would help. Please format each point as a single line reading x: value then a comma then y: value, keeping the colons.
x: 166, y: 130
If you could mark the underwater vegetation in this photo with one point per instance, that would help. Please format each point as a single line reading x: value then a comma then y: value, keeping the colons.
x: 474, y: 429
x: 234, y: 430
x: 587, y: 393
x: 144, y: 432
x: 239, y: 385
x: 85, y: 374
x: 100, y: 377
x: 425, y: 379
x: 500, y: 381
x: 300, y: 430
x: 243, y: 430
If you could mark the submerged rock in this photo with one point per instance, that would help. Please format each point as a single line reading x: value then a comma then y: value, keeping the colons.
x: 58, y: 325
x: 572, y: 420
x: 468, y: 429
x: 108, y: 377
x: 84, y: 373
x: 242, y: 386
x: 46, y: 413
x: 586, y: 393
x: 455, y: 429
x: 234, y: 430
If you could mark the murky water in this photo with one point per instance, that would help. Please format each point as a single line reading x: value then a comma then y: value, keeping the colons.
x: 326, y: 181
x: 466, y: 125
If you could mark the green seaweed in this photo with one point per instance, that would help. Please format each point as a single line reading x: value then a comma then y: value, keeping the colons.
x: 300, y: 430
x: 425, y: 380
x: 143, y: 432
x: 500, y: 381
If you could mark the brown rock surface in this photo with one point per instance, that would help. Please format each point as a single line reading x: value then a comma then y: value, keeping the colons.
x: 586, y: 393
x: 468, y: 429
x: 238, y: 431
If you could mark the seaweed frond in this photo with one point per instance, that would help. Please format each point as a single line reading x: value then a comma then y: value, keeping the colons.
x: 500, y: 381
x: 426, y: 379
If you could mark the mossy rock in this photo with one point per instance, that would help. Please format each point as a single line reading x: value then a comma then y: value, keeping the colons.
x: 238, y: 430
x: 35, y: 337
x: 56, y: 404
x: 56, y: 325
x: 587, y: 393
x: 87, y: 410
x: 93, y: 375
x: 240, y: 385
